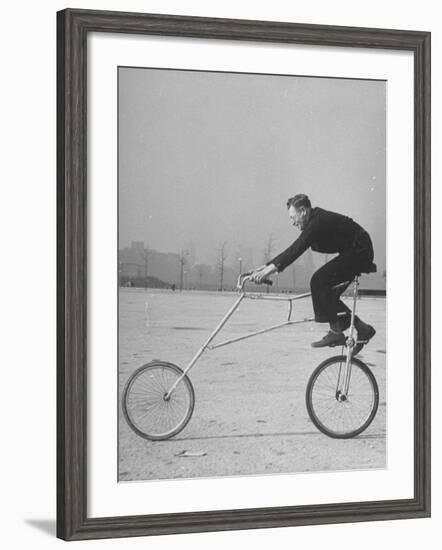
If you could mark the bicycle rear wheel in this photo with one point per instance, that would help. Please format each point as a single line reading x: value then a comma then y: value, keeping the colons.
x: 332, y: 413
x: 146, y: 408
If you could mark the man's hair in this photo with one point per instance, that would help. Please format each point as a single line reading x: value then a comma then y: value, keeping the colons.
x: 298, y: 201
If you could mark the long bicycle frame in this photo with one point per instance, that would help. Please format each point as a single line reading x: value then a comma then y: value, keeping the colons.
x: 243, y: 294
x: 343, y: 384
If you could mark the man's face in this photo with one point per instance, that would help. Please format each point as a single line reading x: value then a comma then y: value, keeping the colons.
x: 298, y: 217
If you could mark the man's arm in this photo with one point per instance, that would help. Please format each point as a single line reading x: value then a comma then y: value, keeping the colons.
x: 289, y: 255
x: 292, y: 253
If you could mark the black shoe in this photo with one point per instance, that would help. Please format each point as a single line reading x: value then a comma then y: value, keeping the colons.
x: 331, y: 339
x: 365, y: 334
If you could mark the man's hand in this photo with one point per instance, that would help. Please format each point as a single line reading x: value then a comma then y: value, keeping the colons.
x: 261, y: 273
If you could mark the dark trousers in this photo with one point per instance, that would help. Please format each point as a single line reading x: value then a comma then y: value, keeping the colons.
x: 327, y: 305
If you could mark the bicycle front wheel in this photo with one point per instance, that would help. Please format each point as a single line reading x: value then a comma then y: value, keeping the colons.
x: 334, y: 414
x: 147, y: 408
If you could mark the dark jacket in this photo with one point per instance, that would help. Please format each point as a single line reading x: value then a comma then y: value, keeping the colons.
x: 329, y: 233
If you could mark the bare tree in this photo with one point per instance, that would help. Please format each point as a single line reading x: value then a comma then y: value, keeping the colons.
x: 146, y: 265
x: 182, y: 261
x: 200, y: 269
x: 221, y: 261
x: 268, y: 250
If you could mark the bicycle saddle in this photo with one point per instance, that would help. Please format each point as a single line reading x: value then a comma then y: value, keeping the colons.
x: 371, y: 269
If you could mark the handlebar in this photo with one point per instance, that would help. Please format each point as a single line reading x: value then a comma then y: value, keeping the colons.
x: 244, y: 277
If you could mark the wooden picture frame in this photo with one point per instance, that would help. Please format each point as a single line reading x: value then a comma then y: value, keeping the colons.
x: 73, y: 28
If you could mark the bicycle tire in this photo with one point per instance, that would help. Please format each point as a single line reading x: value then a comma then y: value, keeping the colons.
x: 320, y: 420
x: 146, y: 389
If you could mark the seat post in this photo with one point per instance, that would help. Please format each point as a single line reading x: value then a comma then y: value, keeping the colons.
x: 353, y: 309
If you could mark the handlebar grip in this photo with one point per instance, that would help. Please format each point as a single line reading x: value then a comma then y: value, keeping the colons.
x: 263, y: 282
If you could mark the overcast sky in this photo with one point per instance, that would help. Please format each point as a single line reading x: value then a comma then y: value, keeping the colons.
x: 208, y: 157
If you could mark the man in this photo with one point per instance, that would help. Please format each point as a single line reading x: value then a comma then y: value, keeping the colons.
x: 330, y: 233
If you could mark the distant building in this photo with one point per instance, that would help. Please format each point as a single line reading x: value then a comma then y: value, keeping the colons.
x: 138, y: 261
x: 137, y: 247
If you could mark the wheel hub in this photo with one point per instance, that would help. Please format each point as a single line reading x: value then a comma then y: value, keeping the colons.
x: 340, y: 396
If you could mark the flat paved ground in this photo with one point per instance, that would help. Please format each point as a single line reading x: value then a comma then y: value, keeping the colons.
x: 250, y: 416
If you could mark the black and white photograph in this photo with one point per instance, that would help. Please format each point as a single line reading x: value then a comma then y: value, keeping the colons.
x: 220, y: 238
x: 252, y: 274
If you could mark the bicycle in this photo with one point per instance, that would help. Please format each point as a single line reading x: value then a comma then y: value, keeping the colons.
x: 159, y: 399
